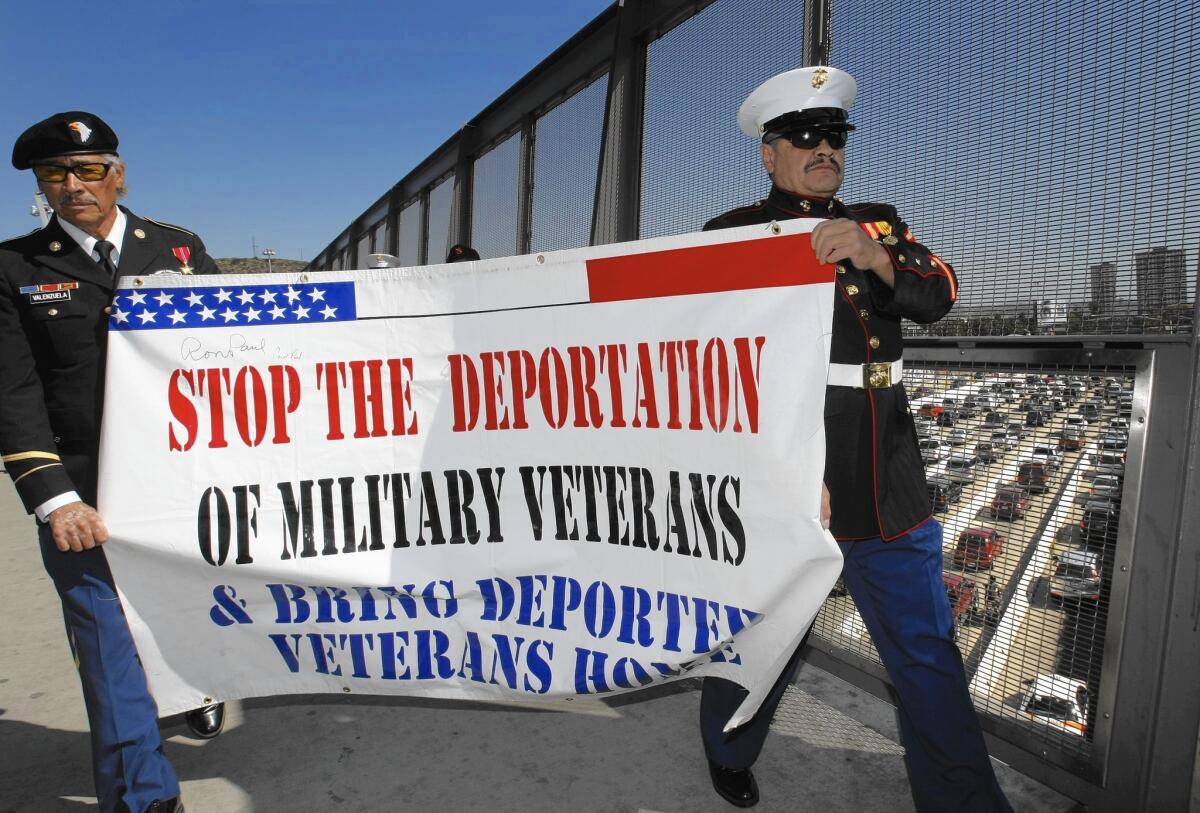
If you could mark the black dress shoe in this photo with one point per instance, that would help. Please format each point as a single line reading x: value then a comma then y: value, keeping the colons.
x: 206, y: 722
x: 169, y: 806
x: 734, y: 785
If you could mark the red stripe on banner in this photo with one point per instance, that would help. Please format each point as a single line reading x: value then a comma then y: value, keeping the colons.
x: 771, y: 262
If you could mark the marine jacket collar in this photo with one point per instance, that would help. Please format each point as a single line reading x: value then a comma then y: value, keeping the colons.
x: 803, y: 205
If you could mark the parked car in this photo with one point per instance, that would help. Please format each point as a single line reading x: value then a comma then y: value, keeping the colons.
x: 995, y: 419
x: 1090, y: 411
x: 1004, y: 439
x: 1076, y: 576
x: 1017, y: 429
x: 1057, y: 701
x: 931, y: 410
x: 1034, y: 475
x: 942, y: 492
x: 977, y: 548
x: 1098, y: 525
x: 1010, y: 502
x: 956, y: 437
x: 1117, y: 441
x: 1110, y: 461
x: 1076, y: 422
x: 960, y: 592
x: 1052, y: 456
x: 1036, y: 417
x: 988, y: 452
x: 1119, y: 423
x: 1071, y: 440
x: 961, y: 468
x: 947, y: 417
x: 932, y: 450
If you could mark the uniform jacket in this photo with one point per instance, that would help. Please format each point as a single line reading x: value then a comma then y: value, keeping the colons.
x: 872, y: 466
x: 52, y: 349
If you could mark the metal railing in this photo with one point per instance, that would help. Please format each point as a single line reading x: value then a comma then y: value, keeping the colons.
x: 1045, y: 150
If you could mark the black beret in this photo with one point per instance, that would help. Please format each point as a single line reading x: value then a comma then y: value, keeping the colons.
x: 461, y: 253
x: 72, y: 133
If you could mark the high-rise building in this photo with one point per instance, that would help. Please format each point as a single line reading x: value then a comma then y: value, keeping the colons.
x: 1160, y: 278
x: 1103, y: 279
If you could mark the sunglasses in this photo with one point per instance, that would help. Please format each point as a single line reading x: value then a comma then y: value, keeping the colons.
x: 57, y: 173
x: 807, y: 138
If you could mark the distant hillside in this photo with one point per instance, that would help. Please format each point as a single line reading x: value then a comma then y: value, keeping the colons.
x: 253, y: 265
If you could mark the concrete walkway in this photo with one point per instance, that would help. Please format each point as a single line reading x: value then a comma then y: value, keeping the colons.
x: 833, y: 748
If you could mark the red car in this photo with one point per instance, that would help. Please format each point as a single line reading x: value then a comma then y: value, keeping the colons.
x: 1010, y: 502
x: 977, y: 548
x: 960, y: 592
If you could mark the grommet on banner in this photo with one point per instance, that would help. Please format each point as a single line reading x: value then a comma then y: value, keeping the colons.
x: 775, y: 228
x: 304, y: 277
x: 346, y: 689
x: 137, y: 280
x: 541, y: 259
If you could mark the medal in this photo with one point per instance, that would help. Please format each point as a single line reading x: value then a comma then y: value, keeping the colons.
x: 183, y: 254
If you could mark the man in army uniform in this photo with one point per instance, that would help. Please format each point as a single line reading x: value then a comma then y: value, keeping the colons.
x: 875, y: 501
x: 56, y: 286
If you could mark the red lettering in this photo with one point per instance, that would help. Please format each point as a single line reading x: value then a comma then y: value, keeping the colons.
x: 400, y: 376
x: 285, y: 396
x: 554, y: 398
x: 241, y: 412
x: 182, y: 410
x: 464, y: 387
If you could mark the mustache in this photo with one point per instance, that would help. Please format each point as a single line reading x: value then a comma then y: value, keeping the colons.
x: 816, y: 162
x: 75, y: 197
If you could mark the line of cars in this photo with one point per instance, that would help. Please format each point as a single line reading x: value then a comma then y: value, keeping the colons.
x: 1055, y: 700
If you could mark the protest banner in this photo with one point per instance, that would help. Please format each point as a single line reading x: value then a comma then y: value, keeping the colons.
x: 535, y: 477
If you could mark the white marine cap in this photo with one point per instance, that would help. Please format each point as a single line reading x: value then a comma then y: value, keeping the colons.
x: 793, y: 92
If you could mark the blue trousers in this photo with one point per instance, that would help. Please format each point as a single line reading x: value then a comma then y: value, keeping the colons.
x: 128, y: 765
x: 897, y: 588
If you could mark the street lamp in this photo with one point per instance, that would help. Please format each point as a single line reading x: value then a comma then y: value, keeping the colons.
x: 268, y: 253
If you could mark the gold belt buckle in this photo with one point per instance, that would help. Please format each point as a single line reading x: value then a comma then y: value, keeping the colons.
x: 877, y: 375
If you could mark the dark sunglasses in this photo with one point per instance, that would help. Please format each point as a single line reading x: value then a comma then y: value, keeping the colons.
x: 807, y: 138
x: 57, y: 173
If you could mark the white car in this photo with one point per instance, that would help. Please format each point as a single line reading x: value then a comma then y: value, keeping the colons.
x: 1077, y: 422
x: 1059, y: 702
x: 956, y: 437
x: 1049, y: 455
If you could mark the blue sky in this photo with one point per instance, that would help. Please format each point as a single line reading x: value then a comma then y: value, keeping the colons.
x: 273, y: 121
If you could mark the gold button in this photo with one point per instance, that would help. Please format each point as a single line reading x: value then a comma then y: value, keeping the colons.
x: 53, y: 312
x: 900, y: 257
x: 864, y: 313
x: 108, y: 311
x: 874, y: 342
x: 852, y: 289
x: 841, y: 270
x: 917, y: 260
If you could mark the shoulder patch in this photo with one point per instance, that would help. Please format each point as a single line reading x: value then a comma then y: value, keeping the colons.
x: 168, y: 225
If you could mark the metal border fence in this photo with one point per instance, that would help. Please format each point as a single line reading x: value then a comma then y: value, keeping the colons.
x: 1141, y: 753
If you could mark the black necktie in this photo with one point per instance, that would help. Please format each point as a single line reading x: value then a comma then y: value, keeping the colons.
x: 106, y: 261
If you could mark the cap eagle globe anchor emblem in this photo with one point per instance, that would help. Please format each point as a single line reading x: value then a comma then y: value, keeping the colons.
x: 819, y: 77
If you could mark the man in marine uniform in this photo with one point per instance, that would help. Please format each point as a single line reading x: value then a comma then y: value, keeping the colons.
x: 875, y: 501
x: 57, y: 286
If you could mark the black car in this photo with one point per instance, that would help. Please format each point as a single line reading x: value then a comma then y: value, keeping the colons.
x: 1098, y: 526
x: 1035, y: 417
x: 947, y: 417
x: 942, y: 492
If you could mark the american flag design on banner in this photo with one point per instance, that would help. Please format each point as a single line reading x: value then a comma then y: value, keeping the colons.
x: 232, y: 305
